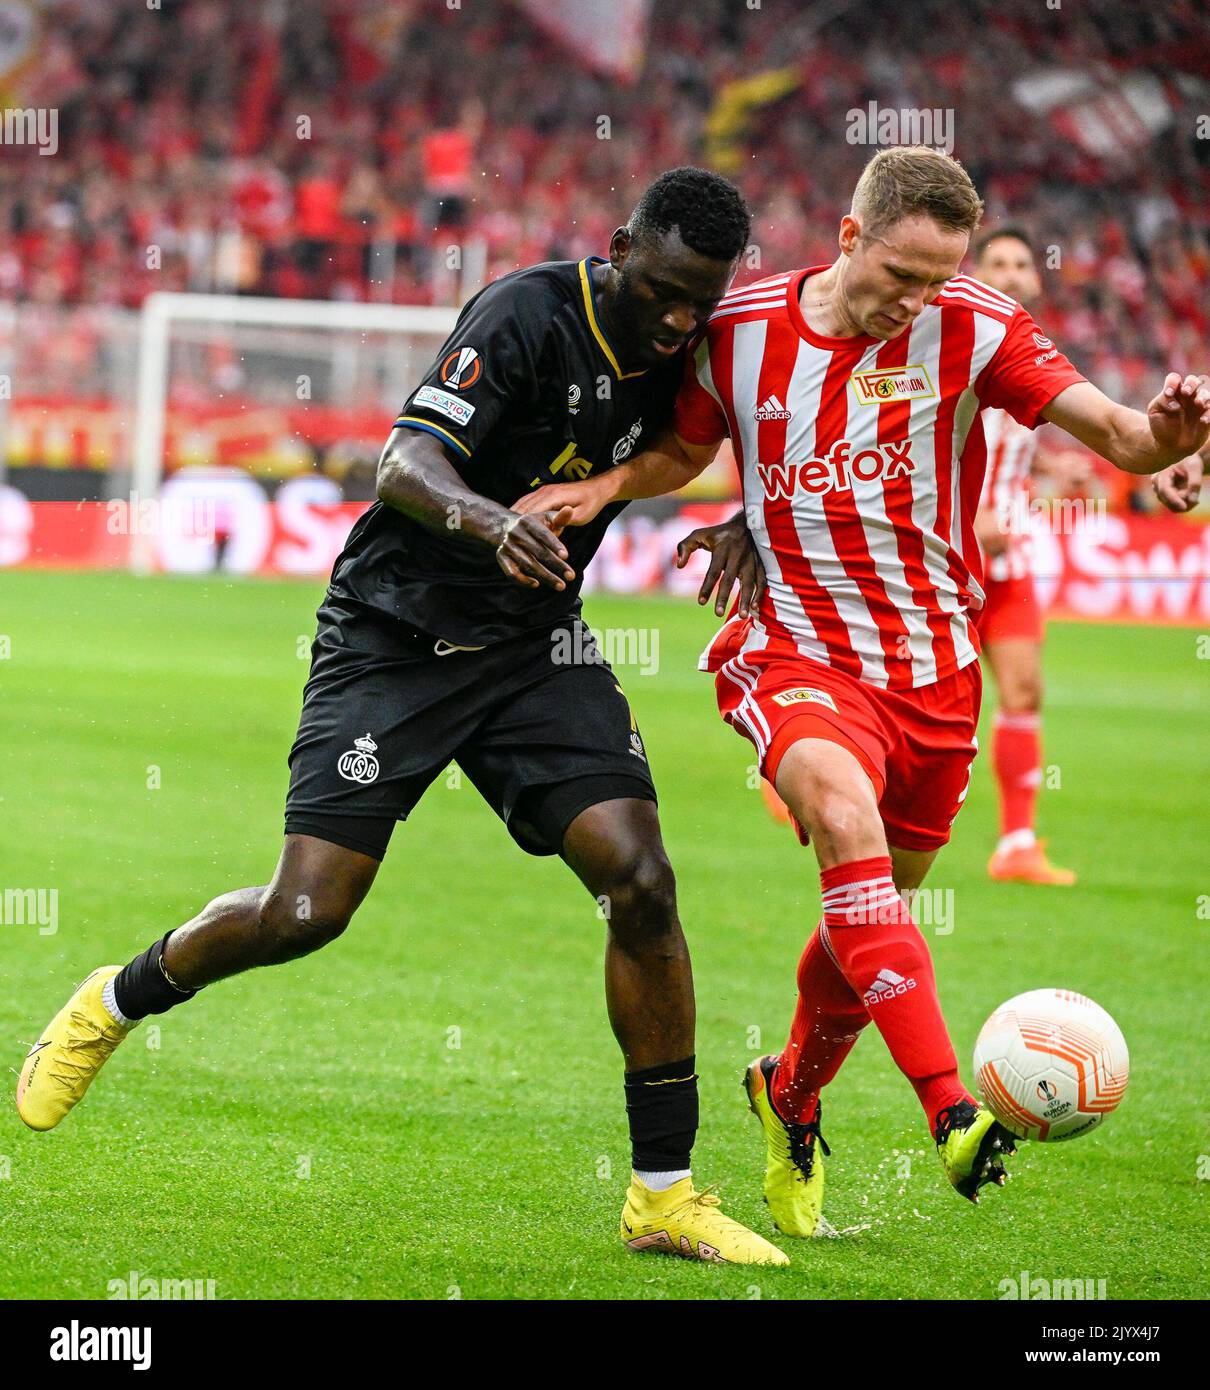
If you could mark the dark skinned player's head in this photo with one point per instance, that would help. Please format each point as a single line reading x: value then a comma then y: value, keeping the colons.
x: 673, y: 262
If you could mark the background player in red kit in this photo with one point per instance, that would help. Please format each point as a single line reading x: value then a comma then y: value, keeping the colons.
x: 852, y: 395
x: 1010, y: 623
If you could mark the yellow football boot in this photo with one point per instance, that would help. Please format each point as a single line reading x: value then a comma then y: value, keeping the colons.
x: 685, y: 1222
x: 61, y: 1065
x: 793, y: 1165
x: 972, y: 1144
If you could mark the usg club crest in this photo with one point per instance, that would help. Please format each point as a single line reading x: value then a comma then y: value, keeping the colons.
x: 359, y: 764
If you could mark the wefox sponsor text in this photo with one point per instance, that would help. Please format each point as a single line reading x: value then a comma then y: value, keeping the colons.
x: 837, y: 470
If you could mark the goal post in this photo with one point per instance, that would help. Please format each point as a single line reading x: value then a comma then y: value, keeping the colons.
x: 347, y: 353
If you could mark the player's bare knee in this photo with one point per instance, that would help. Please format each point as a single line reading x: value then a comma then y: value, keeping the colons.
x: 1023, y: 695
x: 843, y: 811
x: 845, y: 821
x: 294, y: 925
x: 641, y: 902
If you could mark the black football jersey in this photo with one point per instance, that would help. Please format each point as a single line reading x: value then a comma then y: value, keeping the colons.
x: 526, y: 390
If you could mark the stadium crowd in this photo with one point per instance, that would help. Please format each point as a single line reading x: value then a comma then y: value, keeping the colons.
x: 335, y: 148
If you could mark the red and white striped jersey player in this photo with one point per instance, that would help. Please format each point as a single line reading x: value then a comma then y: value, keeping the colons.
x: 1011, y: 451
x: 1011, y: 627
x: 852, y: 395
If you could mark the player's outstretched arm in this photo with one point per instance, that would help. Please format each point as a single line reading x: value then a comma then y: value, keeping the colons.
x: 416, y: 477
x: 667, y: 466
x: 1176, y: 424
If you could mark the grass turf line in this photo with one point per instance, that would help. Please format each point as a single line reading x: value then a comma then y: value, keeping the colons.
x: 312, y: 1131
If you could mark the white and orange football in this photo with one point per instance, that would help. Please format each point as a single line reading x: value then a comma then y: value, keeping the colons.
x: 1051, y: 1064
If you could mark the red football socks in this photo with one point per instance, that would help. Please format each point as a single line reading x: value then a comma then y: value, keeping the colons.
x: 867, y: 960
x: 827, y: 1022
x: 1017, y: 760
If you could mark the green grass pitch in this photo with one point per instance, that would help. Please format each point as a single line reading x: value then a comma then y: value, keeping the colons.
x: 431, y: 1107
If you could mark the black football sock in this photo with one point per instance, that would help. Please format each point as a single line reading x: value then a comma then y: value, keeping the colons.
x: 145, y: 987
x: 661, y: 1105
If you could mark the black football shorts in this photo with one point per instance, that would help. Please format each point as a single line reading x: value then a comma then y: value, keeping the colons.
x: 540, y: 727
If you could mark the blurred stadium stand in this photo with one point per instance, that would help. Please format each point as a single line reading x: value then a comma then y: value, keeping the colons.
x: 338, y: 149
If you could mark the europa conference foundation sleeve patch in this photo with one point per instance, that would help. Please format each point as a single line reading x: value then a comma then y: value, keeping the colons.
x: 485, y: 367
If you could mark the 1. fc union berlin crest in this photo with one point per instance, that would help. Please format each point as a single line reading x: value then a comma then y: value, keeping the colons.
x: 359, y: 764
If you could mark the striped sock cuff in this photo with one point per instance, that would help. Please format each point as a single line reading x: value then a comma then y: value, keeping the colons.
x: 1016, y: 721
x: 860, y: 892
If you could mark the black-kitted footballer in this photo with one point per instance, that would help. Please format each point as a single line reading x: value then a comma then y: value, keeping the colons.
x: 451, y: 630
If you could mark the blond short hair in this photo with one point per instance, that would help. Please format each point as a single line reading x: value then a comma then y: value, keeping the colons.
x: 915, y: 180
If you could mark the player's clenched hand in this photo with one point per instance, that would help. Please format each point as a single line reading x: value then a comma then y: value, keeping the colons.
x: 583, y: 498
x: 1180, y: 415
x: 530, y: 551
x: 733, y: 560
x: 1179, y: 486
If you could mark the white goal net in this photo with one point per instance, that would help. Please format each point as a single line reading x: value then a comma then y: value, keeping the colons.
x: 236, y: 394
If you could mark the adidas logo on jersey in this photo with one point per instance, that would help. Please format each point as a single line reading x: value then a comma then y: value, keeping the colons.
x: 838, y: 470
x: 771, y: 409
x: 886, y: 984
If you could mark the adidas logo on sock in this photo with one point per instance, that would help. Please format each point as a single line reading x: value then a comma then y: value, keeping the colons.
x: 771, y: 409
x: 886, y: 983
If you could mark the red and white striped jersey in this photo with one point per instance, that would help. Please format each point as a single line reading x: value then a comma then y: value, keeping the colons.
x: 862, y: 463
x: 1010, y: 462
